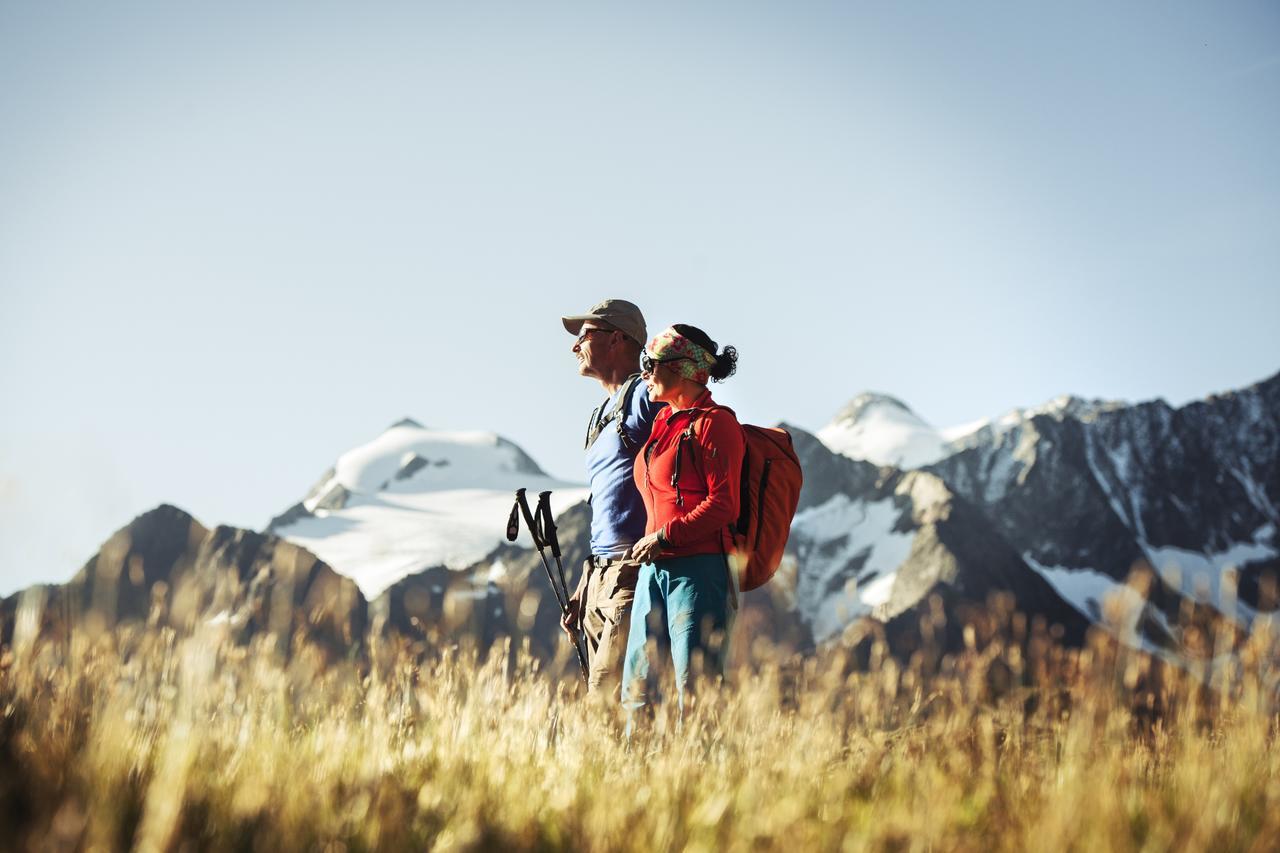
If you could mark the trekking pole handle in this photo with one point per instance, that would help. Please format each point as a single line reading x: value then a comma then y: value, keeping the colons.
x: 546, y: 523
x: 523, y: 503
x: 513, y: 522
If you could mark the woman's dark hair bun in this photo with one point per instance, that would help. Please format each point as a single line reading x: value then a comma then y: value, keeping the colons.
x: 726, y: 364
x: 726, y: 359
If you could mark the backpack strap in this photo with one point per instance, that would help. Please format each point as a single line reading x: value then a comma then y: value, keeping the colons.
x: 687, y: 435
x: 622, y: 410
x: 593, y: 426
x: 599, y: 422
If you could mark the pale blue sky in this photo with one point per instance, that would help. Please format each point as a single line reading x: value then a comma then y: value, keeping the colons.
x: 235, y: 242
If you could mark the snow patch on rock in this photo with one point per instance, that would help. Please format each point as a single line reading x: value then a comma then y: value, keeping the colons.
x: 849, y: 552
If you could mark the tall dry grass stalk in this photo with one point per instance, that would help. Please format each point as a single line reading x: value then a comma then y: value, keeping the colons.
x: 141, y: 739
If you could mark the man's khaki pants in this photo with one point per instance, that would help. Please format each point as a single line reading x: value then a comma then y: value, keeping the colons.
x: 610, y: 587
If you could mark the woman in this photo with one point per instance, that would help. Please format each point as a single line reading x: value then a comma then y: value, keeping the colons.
x: 688, y: 474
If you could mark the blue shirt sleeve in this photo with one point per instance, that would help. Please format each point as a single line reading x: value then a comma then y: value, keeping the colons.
x: 643, y: 411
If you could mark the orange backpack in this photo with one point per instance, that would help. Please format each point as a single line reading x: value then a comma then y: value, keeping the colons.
x: 770, y: 493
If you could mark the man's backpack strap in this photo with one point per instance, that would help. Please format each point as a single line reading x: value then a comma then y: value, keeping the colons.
x: 592, y: 430
x: 619, y: 411
x: 625, y: 407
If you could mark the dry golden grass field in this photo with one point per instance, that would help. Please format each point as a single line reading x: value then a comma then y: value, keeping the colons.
x: 143, y: 740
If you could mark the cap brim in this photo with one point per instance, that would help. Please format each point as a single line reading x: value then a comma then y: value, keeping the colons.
x: 573, y: 325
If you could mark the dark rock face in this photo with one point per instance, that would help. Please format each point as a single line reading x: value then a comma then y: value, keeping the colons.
x: 506, y: 594
x: 117, y: 583
x: 1117, y: 488
x: 878, y: 544
x: 986, y: 566
x: 336, y: 496
x: 327, y: 493
x: 1029, y: 483
x: 264, y: 584
x: 166, y: 569
x: 827, y: 474
x: 293, y: 514
x: 413, y: 465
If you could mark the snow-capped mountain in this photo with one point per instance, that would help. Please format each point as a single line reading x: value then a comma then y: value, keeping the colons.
x: 989, y: 429
x: 1188, y: 493
x: 1049, y: 507
x: 881, y: 429
x: 1088, y: 491
x: 413, y: 499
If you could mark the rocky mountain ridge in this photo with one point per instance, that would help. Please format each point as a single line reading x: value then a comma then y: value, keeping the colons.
x: 1050, y: 508
x: 1090, y: 492
x: 165, y: 569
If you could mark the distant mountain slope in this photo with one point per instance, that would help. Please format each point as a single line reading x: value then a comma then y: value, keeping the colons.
x: 1188, y: 492
x: 414, y: 499
x: 1047, y: 508
x: 1087, y: 491
x: 881, y: 429
x: 165, y: 568
x: 876, y: 543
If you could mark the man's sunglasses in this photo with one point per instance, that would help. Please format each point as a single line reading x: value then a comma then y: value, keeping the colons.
x: 586, y: 333
x: 648, y: 365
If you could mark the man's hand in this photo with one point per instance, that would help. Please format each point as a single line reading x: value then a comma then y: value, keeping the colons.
x: 573, y: 619
x: 644, y: 551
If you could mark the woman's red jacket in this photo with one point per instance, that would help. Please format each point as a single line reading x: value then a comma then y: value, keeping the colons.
x: 694, y: 511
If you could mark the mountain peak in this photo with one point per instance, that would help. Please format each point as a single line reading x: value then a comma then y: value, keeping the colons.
x: 1071, y: 406
x: 163, y: 511
x: 406, y: 422
x: 867, y: 401
x: 881, y: 429
x: 414, y: 498
x: 1062, y: 407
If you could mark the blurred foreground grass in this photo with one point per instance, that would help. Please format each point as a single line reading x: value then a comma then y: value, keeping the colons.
x: 141, y: 739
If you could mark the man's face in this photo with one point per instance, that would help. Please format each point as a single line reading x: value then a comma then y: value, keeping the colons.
x: 592, y: 347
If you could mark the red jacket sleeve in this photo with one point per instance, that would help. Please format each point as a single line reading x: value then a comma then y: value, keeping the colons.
x: 718, y: 458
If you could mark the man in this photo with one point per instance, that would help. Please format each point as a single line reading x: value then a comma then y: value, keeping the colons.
x: 608, y: 341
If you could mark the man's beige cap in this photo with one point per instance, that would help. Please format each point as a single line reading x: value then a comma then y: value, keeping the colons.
x: 619, y: 313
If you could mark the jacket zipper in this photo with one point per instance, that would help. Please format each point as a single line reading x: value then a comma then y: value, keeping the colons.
x: 649, y: 447
x: 648, y: 455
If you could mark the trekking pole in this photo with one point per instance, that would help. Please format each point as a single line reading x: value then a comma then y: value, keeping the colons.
x: 521, y: 508
x: 530, y: 521
x: 547, y: 532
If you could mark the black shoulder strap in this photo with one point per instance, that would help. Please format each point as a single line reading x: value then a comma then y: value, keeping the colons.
x: 619, y: 411
x: 593, y: 426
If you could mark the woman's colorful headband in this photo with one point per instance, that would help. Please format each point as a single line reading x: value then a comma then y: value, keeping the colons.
x: 685, y: 357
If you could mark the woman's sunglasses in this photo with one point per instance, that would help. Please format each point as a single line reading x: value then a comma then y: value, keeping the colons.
x: 648, y: 365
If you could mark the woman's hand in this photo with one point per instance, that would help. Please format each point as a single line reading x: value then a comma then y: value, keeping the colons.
x: 644, y: 551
